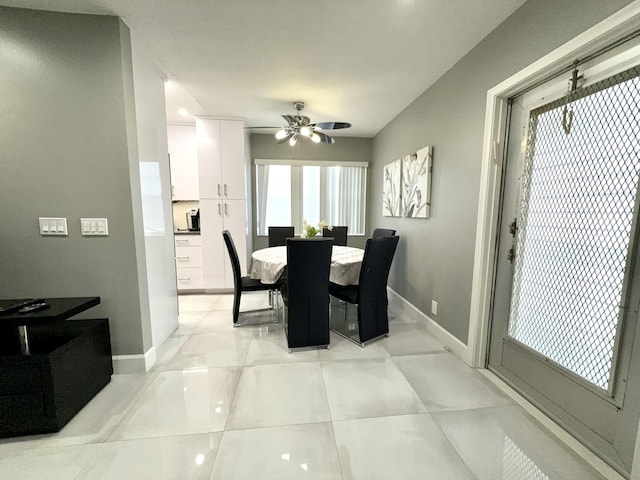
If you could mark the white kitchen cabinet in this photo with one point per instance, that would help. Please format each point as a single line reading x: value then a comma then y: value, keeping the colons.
x: 221, y: 162
x: 223, y: 206
x: 189, y: 262
x: 183, y: 161
x: 216, y: 216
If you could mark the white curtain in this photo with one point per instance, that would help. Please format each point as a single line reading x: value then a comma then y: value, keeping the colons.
x: 262, y: 187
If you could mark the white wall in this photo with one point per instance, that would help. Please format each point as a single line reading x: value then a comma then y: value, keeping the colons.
x: 155, y: 190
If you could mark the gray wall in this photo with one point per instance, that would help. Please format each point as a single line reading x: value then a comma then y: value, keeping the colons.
x: 65, y: 153
x: 352, y: 149
x: 434, y: 260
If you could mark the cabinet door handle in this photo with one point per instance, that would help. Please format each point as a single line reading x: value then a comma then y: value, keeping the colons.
x: 218, y: 189
x: 184, y: 279
x: 187, y: 257
x: 225, y: 189
x: 183, y: 242
x: 219, y: 211
x: 225, y: 210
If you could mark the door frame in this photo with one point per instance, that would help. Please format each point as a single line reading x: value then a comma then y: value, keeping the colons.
x: 616, y: 27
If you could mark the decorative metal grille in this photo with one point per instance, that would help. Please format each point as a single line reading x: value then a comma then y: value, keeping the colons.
x: 576, y: 214
x: 516, y: 465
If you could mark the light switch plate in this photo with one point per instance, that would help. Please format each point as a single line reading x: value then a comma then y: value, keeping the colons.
x: 53, y: 226
x: 93, y: 227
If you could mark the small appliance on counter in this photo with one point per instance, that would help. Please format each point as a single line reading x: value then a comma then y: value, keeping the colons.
x: 193, y: 220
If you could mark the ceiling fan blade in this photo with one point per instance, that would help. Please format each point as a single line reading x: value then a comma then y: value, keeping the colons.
x: 291, y: 120
x: 285, y: 139
x: 325, y: 138
x: 332, y: 125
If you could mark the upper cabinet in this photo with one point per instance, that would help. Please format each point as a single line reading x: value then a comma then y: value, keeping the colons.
x: 183, y: 158
x: 221, y: 161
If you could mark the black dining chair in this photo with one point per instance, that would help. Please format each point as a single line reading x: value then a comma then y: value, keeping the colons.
x: 278, y: 236
x: 246, y: 283
x: 383, y: 232
x: 339, y: 235
x: 305, y: 292
x: 370, y: 319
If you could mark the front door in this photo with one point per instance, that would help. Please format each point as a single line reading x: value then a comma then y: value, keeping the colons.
x: 566, y: 291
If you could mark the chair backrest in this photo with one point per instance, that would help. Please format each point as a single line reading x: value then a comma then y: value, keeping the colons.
x: 372, y: 286
x: 278, y: 236
x: 235, y: 261
x: 308, y: 264
x: 339, y: 235
x: 383, y: 232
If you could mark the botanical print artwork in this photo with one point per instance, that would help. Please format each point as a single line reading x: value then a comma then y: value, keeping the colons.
x: 416, y: 173
x: 391, y: 189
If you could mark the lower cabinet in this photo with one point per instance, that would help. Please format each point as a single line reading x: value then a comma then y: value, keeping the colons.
x: 189, y: 262
x: 216, y: 216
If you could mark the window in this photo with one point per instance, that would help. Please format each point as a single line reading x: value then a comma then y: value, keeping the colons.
x: 290, y: 191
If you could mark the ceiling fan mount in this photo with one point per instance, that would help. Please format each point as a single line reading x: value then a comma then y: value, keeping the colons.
x: 300, y: 126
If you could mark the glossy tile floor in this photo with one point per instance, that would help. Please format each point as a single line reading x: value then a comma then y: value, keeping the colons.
x: 232, y: 403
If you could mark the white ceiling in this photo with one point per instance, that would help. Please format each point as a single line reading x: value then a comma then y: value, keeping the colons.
x: 358, y: 61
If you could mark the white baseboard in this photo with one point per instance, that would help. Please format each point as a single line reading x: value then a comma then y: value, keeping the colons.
x: 142, y: 363
x: 452, y: 344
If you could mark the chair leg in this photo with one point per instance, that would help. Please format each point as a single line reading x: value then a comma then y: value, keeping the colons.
x: 236, y: 307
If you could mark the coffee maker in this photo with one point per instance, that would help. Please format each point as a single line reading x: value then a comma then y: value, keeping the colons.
x: 193, y: 220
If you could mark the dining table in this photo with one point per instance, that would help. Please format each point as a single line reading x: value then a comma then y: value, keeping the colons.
x: 267, y: 264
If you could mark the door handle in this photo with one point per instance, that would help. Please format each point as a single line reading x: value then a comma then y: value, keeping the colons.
x: 218, y: 189
x: 219, y: 211
x: 225, y: 189
x: 226, y: 210
x: 511, y: 255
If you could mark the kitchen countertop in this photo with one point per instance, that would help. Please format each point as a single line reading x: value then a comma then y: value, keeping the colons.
x: 186, y: 232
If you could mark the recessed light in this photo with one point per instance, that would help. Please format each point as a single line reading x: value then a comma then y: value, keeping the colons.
x: 183, y: 112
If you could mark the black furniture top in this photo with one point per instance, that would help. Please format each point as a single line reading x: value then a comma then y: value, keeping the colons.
x: 278, y: 236
x: 59, y: 309
x: 383, y: 232
x: 339, y: 235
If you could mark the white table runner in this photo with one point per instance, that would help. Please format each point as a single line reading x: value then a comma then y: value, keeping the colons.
x: 269, y: 263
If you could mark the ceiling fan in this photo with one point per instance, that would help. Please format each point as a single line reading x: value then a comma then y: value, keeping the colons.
x: 299, y: 126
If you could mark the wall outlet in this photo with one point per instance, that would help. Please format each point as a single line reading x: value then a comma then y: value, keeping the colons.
x: 434, y: 307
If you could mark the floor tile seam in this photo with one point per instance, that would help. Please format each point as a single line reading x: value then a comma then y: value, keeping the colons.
x: 326, y: 396
x: 345, y: 360
x: 335, y: 444
x: 372, y: 417
x: 409, y: 384
x: 162, y: 435
x: 276, y: 425
x: 134, y: 402
x: 233, y: 396
x: 452, y: 445
x: 375, y: 417
x: 410, y: 354
x: 468, y: 409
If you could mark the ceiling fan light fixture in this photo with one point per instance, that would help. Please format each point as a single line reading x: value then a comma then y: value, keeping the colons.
x: 280, y: 134
x: 306, y: 131
x: 293, y: 140
x: 315, y: 138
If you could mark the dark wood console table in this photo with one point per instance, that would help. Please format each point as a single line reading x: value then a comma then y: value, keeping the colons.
x: 50, y: 366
